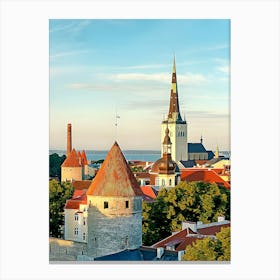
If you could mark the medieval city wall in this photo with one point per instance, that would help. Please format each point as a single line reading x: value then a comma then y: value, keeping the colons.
x: 65, y: 250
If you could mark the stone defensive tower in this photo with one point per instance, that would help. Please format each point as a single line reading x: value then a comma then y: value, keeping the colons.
x: 114, y: 207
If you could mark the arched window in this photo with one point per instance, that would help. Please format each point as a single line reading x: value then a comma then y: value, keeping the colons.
x: 170, y: 182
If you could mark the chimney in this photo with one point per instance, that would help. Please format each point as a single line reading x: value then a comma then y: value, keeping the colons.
x: 180, y: 254
x: 69, y: 139
x: 189, y: 225
x: 221, y: 219
x: 160, y: 252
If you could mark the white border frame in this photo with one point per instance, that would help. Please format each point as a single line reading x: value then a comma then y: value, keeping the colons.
x: 255, y: 141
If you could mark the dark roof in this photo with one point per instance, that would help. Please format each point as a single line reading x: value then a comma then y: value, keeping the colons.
x: 188, y: 163
x: 126, y: 255
x: 141, y: 254
x: 196, y: 148
x: 210, y: 154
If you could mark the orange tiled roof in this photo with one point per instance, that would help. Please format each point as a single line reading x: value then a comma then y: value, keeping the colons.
x: 75, y: 203
x: 78, y: 193
x: 84, y: 158
x: 72, y: 160
x: 81, y: 185
x: 115, y: 177
x: 148, y: 191
x: 204, y: 175
x: 79, y: 197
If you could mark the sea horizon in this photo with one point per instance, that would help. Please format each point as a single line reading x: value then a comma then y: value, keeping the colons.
x: 130, y: 155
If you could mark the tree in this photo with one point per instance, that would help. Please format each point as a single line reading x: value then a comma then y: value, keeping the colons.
x: 195, y: 201
x: 58, y: 194
x: 55, y: 162
x: 209, y: 249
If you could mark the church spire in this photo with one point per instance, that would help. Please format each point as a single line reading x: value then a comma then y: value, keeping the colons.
x: 217, y: 152
x: 174, y: 111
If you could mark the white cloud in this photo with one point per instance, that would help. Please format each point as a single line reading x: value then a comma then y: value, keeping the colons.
x: 75, y: 25
x: 187, y: 78
x: 69, y: 53
x: 224, y: 69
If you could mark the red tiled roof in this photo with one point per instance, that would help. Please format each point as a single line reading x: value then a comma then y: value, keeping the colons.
x: 84, y: 158
x: 212, y: 230
x: 183, y: 237
x: 148, y: 191
x: 115, y: 177
x: 78, y: 193
x: 187, y: 241
x: 72, y: 160
x: 81, y: 185
x: 204, y: 175
x: 79, y: 197
x: 142, y: 175
x: 79, y: 154
x: 200, y: 161
x: 179, y: 235
x: 75, y: 203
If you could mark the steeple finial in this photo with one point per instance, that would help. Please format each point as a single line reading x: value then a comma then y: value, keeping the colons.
x: 174, y: 65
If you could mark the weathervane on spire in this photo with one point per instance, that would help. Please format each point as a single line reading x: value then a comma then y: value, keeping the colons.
x: 116, y: 124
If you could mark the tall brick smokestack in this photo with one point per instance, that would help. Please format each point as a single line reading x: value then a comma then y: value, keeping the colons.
x: 69, y: 139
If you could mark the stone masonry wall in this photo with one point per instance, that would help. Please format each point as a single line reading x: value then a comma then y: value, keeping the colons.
x: 116, y: 229
x: 64, y: 250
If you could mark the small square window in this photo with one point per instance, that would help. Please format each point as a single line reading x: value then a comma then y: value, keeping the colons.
x: 126, y: 204
x: 106, y: 204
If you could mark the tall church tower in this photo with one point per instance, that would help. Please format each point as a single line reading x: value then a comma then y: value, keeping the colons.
x: 176, y: 125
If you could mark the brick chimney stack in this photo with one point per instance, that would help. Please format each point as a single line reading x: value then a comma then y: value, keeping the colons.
x: 69, y: 139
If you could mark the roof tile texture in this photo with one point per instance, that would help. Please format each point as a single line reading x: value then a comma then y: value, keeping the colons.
x: 115, y: 177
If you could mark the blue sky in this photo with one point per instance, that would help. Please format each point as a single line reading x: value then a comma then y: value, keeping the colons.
x: 98, y: 67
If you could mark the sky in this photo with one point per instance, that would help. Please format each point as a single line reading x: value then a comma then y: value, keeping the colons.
x: 103, y: 68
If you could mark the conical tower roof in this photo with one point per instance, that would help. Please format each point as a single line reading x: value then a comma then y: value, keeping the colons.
x: 84, y: 158
x: 72, y: 160
x: 115, y: 177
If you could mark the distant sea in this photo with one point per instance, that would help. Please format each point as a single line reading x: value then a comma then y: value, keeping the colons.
x: 143, y: 155
x: 129, y: 155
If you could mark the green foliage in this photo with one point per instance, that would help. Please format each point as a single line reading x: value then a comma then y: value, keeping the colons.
x: 55, y: 162
x: 58, y: 194
x: 135, y: 169
x: 208, y: 249
x: 195, y: 201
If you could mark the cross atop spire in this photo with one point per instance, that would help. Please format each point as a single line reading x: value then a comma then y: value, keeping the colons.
x: 174, y: 111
